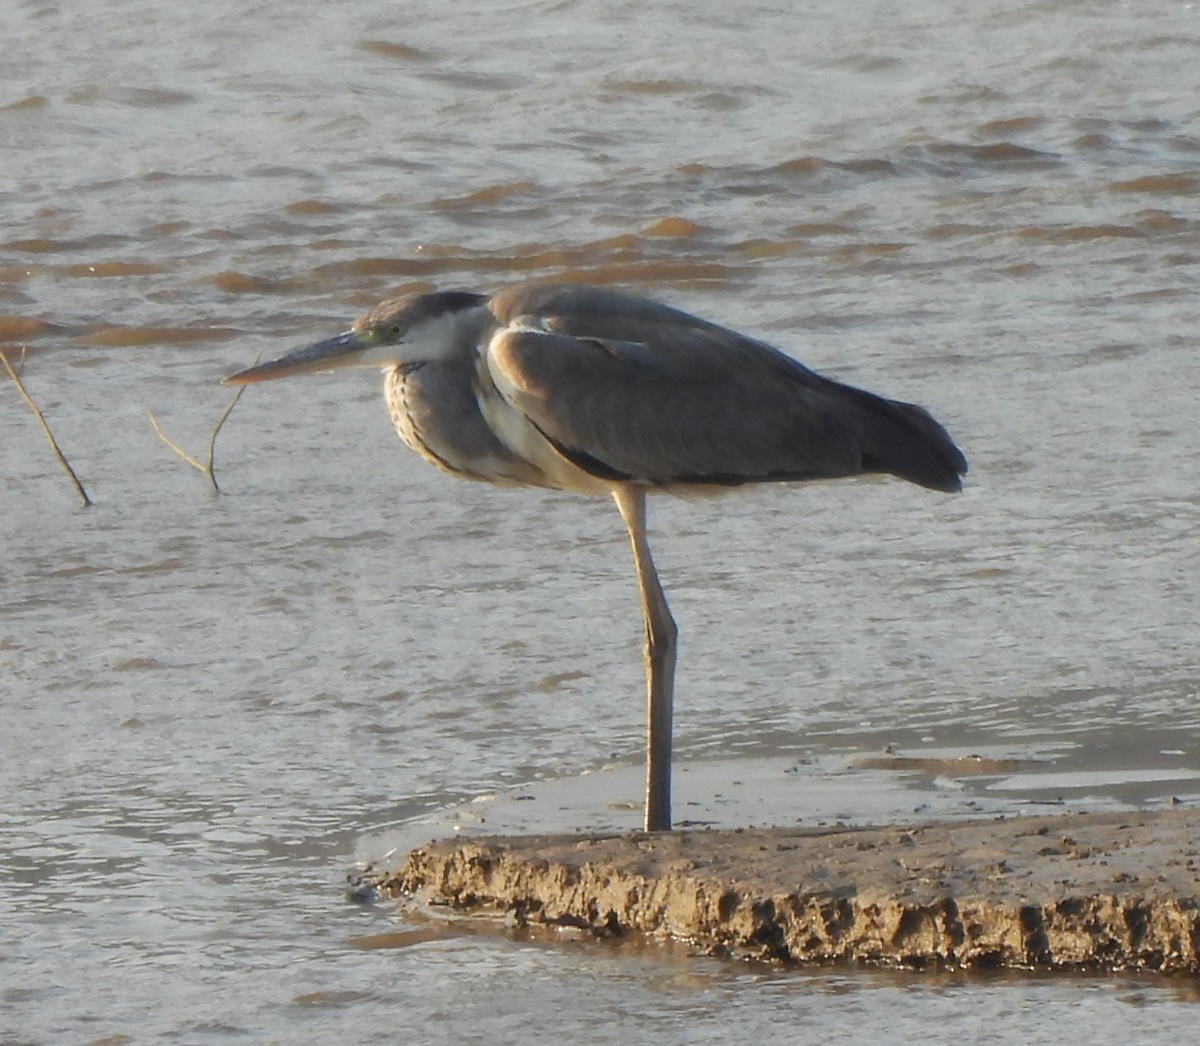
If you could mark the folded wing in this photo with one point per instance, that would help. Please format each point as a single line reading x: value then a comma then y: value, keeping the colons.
x: 626, y: 388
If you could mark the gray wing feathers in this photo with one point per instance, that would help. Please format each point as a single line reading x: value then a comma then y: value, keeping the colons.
x: 635, y: 389
x: 708, y: 417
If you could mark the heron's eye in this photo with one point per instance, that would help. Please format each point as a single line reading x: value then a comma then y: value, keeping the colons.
x: 394, y: 330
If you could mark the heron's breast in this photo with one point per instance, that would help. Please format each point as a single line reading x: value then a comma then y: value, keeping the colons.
x: 437, y: 416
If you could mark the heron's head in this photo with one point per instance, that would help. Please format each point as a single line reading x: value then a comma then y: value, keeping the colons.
x: 417, y: 328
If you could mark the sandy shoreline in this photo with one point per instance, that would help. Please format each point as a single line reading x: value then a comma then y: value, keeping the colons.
x: 995, y: 858
x: 1105, y: 891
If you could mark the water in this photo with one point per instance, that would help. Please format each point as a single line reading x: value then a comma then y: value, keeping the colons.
x: 213, y: 706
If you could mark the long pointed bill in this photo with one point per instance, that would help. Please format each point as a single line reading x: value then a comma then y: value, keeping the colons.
x: 345, y: 350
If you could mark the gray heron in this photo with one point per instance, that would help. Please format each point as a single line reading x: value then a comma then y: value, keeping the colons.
x: 595, y: 391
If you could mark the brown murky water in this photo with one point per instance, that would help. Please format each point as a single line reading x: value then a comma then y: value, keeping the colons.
x: 213, y: 705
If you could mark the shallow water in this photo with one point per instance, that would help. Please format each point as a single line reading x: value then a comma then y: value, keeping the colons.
x: 213, y: 706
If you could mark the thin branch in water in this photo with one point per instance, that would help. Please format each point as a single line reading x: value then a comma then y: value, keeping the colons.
x: 212, y: 440
x: 196, y: 463
x: 41, y: 418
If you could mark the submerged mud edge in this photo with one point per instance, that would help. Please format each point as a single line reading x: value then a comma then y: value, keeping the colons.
x: 1084, y: 891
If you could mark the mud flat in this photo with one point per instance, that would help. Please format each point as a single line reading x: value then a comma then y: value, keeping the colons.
x: 1091, y: 891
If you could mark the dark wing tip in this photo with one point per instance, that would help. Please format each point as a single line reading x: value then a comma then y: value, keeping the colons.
x: 906, y: 441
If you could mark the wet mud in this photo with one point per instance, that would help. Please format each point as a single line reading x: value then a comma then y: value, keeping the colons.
x: 1111, y: 891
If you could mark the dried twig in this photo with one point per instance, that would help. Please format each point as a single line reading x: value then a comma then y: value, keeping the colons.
x: 196, y: 463
x: 62, y: 458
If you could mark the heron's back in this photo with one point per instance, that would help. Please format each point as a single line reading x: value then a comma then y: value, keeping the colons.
x: 630, y: 390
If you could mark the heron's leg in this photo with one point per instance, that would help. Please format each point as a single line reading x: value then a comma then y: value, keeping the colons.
x: 660, y: 661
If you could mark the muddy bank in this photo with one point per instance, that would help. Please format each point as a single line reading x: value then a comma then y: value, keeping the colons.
x: 1082, y: 891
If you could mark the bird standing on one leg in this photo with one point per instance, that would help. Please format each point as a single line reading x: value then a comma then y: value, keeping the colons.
x: 590, y: 390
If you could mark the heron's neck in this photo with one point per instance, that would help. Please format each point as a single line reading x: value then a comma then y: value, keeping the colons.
x: 465, y: 334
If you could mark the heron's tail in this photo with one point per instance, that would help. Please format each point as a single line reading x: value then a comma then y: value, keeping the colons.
x: 904, y: 440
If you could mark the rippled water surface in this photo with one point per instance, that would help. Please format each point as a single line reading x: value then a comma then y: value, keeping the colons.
x: 214, y: 705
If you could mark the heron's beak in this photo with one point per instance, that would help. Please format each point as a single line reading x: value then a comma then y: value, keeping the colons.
x: 345, y: 350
